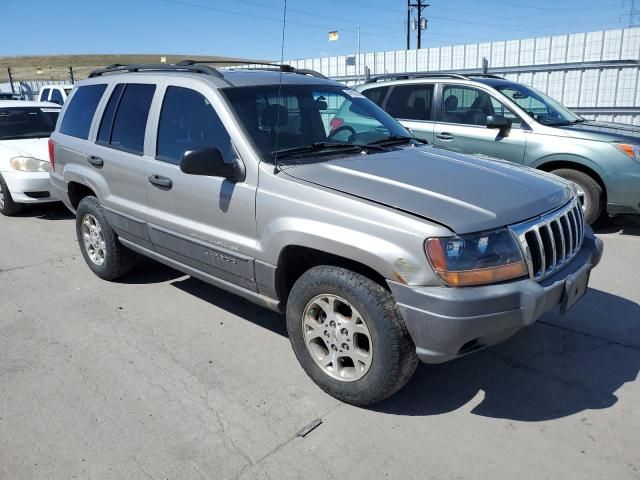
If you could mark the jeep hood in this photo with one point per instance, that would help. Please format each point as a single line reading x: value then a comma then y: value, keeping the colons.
x: 467, y: 194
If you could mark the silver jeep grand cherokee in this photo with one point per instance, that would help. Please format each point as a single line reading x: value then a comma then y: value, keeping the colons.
x: 381, y: 250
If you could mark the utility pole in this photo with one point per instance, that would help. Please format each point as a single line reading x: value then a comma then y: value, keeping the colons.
x: 421, y: 23
x: 408, y: 24
x: 71, y: 76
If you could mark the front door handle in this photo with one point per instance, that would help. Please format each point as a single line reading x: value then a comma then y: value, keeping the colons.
x: 444, y: 136
x: 160, y: 181
x: 95, y: 161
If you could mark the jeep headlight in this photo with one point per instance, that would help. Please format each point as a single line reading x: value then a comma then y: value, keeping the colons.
x: 476, y: 259
x: 629, y: 149
x: 29, y: 164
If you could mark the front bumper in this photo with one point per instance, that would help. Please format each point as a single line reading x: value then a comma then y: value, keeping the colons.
x: 446, y: 323
x: 29, y: 187
x: 623, y: 191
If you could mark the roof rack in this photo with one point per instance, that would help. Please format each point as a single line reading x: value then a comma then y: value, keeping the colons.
x: 274, y: 66
x: 485, y: 75
x: 198, y: 66
x: 407, y: 76
x: 157, y: 67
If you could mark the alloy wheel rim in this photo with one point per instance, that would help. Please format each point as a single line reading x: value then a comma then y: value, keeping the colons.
x: 582, y: 196
x: 1, y: 197
x: 337, y: 338
x: 93, y: 239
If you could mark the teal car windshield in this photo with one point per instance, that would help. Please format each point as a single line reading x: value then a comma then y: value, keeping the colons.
x: 539, y: 106
x: 310, y: 119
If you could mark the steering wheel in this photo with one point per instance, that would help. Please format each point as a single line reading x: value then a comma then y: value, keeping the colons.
x: 341, y: 129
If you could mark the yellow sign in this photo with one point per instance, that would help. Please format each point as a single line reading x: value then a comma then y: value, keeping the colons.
x: 333, y: 36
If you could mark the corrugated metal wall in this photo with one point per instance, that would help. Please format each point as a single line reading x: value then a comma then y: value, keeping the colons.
x: 595, y: 73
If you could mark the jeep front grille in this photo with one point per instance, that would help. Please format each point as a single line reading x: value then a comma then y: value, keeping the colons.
x: 552, y: 240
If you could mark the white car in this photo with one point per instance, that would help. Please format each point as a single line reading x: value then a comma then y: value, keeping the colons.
x: 24, y: 153
x: 55, y: 93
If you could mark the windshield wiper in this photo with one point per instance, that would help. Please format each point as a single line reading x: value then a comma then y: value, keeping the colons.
x: 320, y: 146
x: 396, y: 139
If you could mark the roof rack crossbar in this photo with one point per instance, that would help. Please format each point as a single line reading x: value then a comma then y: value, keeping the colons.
x: 156, y: 67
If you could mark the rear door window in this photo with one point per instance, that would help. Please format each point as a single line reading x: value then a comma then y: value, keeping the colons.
x: 44, y: 95
x: 188, y: 121
x: 79, y: 114
x: 376, y: 95
x: 124, y: 120
x: 411, y: 102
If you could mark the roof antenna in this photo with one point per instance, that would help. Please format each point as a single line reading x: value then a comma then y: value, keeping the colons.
x: 284, y: 26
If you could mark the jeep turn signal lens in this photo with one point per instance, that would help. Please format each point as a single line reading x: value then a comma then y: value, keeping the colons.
x: 476, y: 259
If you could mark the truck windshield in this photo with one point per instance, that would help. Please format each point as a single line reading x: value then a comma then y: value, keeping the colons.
x: 291, y: 118
x: 541, y: 107
x: 27, y: 122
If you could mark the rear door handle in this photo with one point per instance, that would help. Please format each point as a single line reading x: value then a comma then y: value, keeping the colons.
x: 95, y: 161
x: 444, y: 136
x: 160, y: 181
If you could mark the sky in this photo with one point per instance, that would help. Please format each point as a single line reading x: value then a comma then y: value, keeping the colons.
x: 253, y: 28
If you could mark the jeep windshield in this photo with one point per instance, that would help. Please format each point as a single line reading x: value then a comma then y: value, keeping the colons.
x: 312, y: 120
x: 27, y: 122
x: 539, y: 106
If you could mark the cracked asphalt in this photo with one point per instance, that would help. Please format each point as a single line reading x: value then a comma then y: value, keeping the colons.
x: 161, y: 376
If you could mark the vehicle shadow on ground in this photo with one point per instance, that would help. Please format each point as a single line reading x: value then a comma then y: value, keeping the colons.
x: 233, y: 304
x: 624, y: 225
x: 149, y: 271
x: 46, y: 211
x: 560, y: 366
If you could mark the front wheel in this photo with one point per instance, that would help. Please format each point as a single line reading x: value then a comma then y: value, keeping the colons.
x: 348, y: 335
x: 590, y: 193
x: 7, y: 206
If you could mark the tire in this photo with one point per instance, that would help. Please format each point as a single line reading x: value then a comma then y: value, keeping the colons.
x: 7, y: 206
x: 115, y: 260
x: 391, y: 357
x: 593, y: 193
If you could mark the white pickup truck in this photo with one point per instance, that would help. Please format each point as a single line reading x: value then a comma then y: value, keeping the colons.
x: 55, y: 93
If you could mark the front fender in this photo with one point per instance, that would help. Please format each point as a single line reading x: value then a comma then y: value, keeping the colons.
x: 405, y: 264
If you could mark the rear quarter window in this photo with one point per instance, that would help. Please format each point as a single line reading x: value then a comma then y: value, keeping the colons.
x: 76, y: 121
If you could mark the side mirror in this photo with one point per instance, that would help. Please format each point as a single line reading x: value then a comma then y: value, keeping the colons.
x: 499, y: 122
x: 208, y: 162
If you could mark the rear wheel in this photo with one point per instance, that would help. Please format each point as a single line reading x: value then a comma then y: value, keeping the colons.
x: 348, y: 335
x: 7, y: 206
x: 102, y: 251
x: 590, y: 192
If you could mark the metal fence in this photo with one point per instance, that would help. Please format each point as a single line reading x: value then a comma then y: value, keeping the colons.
x: 594, y: 73
x: 31, y: 88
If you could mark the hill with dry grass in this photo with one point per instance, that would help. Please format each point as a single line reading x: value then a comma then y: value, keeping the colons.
x: 56, y: 67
